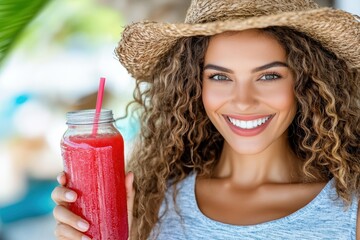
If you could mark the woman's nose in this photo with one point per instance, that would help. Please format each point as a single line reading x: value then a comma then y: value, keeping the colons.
x: 244, y: 95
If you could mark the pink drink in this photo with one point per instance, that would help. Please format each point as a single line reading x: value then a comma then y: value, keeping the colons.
x: 94, y: 167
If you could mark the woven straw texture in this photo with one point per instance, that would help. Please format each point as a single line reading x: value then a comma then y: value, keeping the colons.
x: 144, y: 43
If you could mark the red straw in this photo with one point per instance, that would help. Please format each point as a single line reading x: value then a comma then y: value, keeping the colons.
x: 99, y: 101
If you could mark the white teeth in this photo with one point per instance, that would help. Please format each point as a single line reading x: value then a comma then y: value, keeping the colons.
x: 248, y: 124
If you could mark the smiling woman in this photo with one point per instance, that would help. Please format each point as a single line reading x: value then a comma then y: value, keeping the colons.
x: 250, y: 124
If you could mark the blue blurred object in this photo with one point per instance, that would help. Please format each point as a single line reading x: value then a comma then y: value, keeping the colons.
x: 20, y: 99
x: 8, y: 110
x: 36, y: 202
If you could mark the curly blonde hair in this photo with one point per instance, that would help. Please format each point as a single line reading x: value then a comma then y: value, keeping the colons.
x: 177, y: 137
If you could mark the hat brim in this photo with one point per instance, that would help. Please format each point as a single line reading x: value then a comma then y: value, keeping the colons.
x: 143, y: 44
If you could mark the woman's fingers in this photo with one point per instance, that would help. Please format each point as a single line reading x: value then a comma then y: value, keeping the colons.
x: 65, y: 217
x: 130, y: 195
x: 66, y: 232
x: 70, y: 226
x: 62, y: 195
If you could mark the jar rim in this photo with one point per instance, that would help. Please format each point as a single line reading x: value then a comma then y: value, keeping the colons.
x: 89, y: 116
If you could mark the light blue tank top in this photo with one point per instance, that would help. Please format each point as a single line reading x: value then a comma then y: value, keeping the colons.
x: 325, y: 218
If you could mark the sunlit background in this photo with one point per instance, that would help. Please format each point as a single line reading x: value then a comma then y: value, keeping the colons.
x: 54, y: 67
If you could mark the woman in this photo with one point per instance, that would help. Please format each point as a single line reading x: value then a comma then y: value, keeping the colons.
x: 250, y: 125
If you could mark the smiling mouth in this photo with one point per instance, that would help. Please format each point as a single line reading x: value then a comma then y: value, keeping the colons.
x: 251, y: 124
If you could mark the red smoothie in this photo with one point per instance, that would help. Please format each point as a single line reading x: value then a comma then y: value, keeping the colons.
x: 94, y: 167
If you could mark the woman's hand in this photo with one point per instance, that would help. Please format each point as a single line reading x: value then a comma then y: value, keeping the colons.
x: 71, y: 226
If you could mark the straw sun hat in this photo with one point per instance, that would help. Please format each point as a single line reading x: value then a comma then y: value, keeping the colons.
x: 143, y: 44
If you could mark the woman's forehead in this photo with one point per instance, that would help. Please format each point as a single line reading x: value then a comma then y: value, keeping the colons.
x: 248, y: 45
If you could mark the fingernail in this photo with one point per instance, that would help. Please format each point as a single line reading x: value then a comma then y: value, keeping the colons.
x: 70, y: 196
x: 85, y: 238
x: 58, y: 178
x: 83, y: 226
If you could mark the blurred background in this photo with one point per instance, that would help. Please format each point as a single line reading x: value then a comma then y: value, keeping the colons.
x: 52, y: 54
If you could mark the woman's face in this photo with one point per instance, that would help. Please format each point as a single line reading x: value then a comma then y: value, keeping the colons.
x: 248, y: 89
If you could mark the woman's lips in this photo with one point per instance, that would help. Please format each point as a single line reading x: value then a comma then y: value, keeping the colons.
x: 248, y: 125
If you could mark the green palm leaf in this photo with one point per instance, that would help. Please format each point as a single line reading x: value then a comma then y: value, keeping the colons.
x: 15, y: 15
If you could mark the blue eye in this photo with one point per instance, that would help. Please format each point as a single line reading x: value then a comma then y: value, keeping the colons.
x: 270, y: 77
x: 219, y: 77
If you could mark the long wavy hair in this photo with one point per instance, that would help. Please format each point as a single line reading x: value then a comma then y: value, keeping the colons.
x: 177, y: 137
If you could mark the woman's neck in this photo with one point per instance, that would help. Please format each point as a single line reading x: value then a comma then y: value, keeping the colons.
x: 275, y: 164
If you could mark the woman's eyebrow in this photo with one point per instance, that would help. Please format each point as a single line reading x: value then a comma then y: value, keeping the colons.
x: 261, y: 68
x: 218, y: 68
x: 270, y: 65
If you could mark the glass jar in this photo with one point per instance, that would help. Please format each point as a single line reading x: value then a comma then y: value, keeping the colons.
x: 93, y: 156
